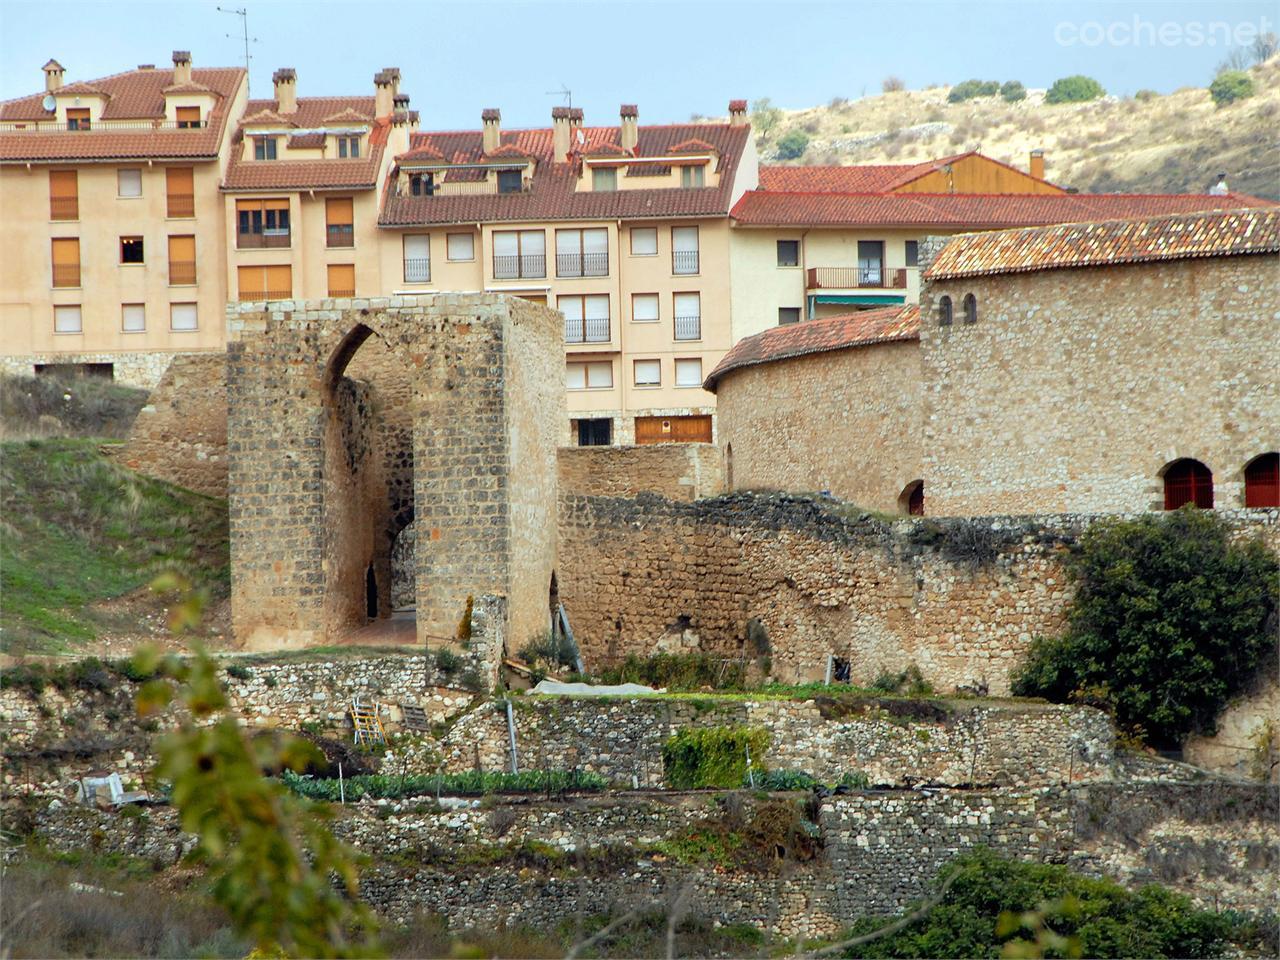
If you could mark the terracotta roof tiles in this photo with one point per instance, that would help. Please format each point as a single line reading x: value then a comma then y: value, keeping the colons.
x: 360, y: 173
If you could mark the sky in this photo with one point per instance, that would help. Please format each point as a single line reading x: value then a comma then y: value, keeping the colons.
x: 673, y: 59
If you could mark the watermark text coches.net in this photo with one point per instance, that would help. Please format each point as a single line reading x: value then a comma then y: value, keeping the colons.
x: 1141, y: 32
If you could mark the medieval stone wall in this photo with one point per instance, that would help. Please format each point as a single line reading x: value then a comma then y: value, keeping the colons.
x: 677, y: 471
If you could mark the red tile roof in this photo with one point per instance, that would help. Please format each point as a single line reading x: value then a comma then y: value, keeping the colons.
x: 862, y: 178
x: 552, y: 194
x: 328, y: 174
x: 1215, y: 234
x: 134, y: 95
x: 858, y: 329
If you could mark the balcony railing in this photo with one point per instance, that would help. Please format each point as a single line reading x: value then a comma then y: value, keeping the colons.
x: 342, y: 292
x: 460, y: 188
x: 689, y: 328
x: 64, y: 208
x: 268, y: 238
x: 182, y: 205
x: 512, y: 267
x: 255, y: 295
x: 103, y: 126
x: 684, y: 261
x: 66, y: 275
x: 182, y: 272
x: 341, y: 235
x: 852, y: 278
x: 592, y: 330
x: 582, y: 264
x: 417, y: 270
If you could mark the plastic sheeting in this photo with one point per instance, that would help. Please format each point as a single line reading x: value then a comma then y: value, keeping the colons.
x: 557, y: 688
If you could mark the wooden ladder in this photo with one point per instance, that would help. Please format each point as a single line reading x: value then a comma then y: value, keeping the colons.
x: 366, y: 718
x: 414, y: 717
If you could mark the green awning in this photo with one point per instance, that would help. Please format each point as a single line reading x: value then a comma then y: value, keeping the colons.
x: 866, y: 299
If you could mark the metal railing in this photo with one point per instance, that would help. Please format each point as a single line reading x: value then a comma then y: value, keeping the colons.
x: 182, y: 205
x: 64, y: 208
x: 253, y: 241
x: 66, y: 275
x: 340, y: 235
x: 850, y: 278
x: 582, y: 264
x: 591, y: 330
x: 182, y: 272
x: 417, y: 270
x: 684, y: 261
x: 688, y: 328
x: 252, y: 295
x: 101, y: 126
x: 512, y: 267
x: 335, y: 292
x: 459, y: 188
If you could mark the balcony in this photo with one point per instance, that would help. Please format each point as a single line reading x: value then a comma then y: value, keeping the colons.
x: 460, y: 188
x: 582, y: 264
x: 182, y: 273
x: 684, y: 262
x: 689, y: 328
x: 104, y: 126
x: 857, y: 278
x: 591, y: 330
x: 181, y: 205
x: 524, y: 266
x: 64, y: 208
x: 258, y: 241
x: 417, y: 270
x: 66, y: 274
x: 252, y: 296
x: 341, y: 292
x: 340, y: 235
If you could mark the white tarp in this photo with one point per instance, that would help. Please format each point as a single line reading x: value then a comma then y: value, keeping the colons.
x: 555, y: 687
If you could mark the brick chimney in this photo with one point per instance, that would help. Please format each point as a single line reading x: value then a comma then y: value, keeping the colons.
x: 52, y: 75
x: 1220, y: 189
x: 182, y: 66
x: 491, y: 125
x: 394, y: 74
x: 737, y: 112
x: 628, y: 129
x: 384, y: 94
x: 560, y: 133
x: 1036, y: 168
x: 285, y: 81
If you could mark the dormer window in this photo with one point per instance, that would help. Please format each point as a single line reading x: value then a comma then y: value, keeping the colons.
x: 349, y: 147
x: 188, y: 118
x: 264, y: 148
x: 77, y: 118
x: 693, y: 176
x: 510, y: 181
x: 422, y: 184
x: 604, y: 179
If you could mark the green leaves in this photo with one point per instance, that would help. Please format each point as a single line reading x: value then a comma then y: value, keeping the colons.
x: 712, y: 756
x: 472, y: 783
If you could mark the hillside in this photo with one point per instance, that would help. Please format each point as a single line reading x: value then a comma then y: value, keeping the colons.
x: 1157, y: 144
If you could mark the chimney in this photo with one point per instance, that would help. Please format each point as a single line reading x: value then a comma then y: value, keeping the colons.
x: 1220, y: 189
x: 146, y: 66
x: 737, y: 112
x: 285, y: 81
x: 52, y: 75
x: 394, y: 74
x: 182, y: 66
x: 560, y: 133
x: 628, y: 131
x: 400, y: 102
x: 1036, y: 167
x: 491, y: 124
x: 384, y: 94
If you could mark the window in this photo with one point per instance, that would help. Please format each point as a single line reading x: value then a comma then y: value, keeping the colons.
x: 586, y: 318
x: 582, y: 253
x: 131, y: 250
x: 183, y: 317
x: 644, y: 307
x: 422, y: 184
x: 66, y: 319
x: 519, y: 253
x: 188, y: 117
x: 648, y: 373
x: 182, y: 261
x: 64, y: 198
x: 644, y: 241
x: 262, y: 223
x: 264, y: 148
x: 684, y: 250
x: 460, y: 246
x: 970, y: 306
x: 339, y: 218
x: 77, y: 118
x: 265, y: 283
x: 180, y: 188
x: 342, y: 280
x: 1188, y: 481
x: 913, y: 253
x: 788, y: 315
x: 66, y: 262
x: 596, y: 432
x: 689, y: 372
x: 870, y: 263
x: 128, y: 182
x: 788, y: 253
x: 596, y: 375
x: 348, y: 148
x: 133, y: 317
x: 604, y: 178
x: 417, y: 258
x: 693, y: 176
x: 944, y: 311
x: 510, y: 181
x: 688, y: 316
x: 1262, y: 481
x: 911, y: 500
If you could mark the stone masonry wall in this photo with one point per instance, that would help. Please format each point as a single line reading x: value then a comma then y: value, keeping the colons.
x: 1075, y: 388
x: 677, y: 471
x: 137, y: 369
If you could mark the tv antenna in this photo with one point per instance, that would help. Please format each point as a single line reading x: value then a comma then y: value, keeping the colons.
x: 562, y: 92
x: 243, y: 14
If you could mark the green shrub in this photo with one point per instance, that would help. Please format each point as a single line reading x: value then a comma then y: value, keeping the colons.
x: 239, y: 672
x: 467, y: 783
x: 679, y: 672
x: 447, y: 662
x: 969, y: 89
x: 765, y: 116
x: 793, y: 780
x: 1169, y: 621
x: 24, y: 676
x: 1074, y: 89
x: 1230, y: 86
x: 712, y: 756
x: 553, y: 649
x: 1145, y: 95
x: 1012, y: 91
x: 909, y: 683
x: 792, y: 145
x: 464, y: 624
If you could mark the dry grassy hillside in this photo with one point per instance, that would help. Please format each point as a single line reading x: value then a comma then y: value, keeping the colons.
x: 1158, y: 144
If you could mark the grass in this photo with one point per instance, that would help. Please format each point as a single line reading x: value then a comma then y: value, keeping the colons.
x: 78, y: 406
x: 78, y: 530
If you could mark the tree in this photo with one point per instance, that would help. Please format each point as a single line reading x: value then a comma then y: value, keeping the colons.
x: 1170, y: 619
x: 892, y: 84
x: 968, y: 89
x: 765, y: 116
x: 1264, y: 47
x: 1074, y: 89
x: 793, y: 145
x: 1230, y: 86
x: 1012, y: 91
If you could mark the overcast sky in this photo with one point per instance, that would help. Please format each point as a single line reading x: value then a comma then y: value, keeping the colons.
x: 672, y: 58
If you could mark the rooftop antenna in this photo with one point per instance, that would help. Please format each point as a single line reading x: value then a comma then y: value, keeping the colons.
x: 243, y: 14
x: 562, y: 92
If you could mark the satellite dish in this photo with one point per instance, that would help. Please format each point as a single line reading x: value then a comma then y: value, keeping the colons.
x: 48, y: 102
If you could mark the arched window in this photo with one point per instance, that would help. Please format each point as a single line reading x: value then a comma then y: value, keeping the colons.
x: 1262, y: 481
x: 911, y: 500
x: 944, y: 312
x: 970, y: 308
x: 1188, y: 481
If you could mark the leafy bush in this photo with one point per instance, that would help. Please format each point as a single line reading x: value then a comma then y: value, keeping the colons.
x: 712, y: 756
x: 1074, y: 89
x: 467, y: 783
x: 910, y: 683
x: 793, y: 780
x: 792, y: 145
x: 69, y: 405
x: 1230, y: 86
x: 680, y: 672
x: 969, y: 89
x: 239, y: 672
x: 892, y: 84
x: 1169, y: 621
x: 1012, y: 91
x: 765, y: 116
x: 554, y: 649
x: 447, y: 662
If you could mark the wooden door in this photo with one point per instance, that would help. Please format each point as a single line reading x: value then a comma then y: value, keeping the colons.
x: 692, y: 429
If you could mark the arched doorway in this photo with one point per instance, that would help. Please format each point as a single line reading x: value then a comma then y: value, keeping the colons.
x: 1187, y: 481
x: 911, y: 500
x: 1262, y: 481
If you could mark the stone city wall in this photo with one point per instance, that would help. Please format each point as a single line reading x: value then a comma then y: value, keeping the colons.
x: 142, y: 369
x: 677, y: 471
